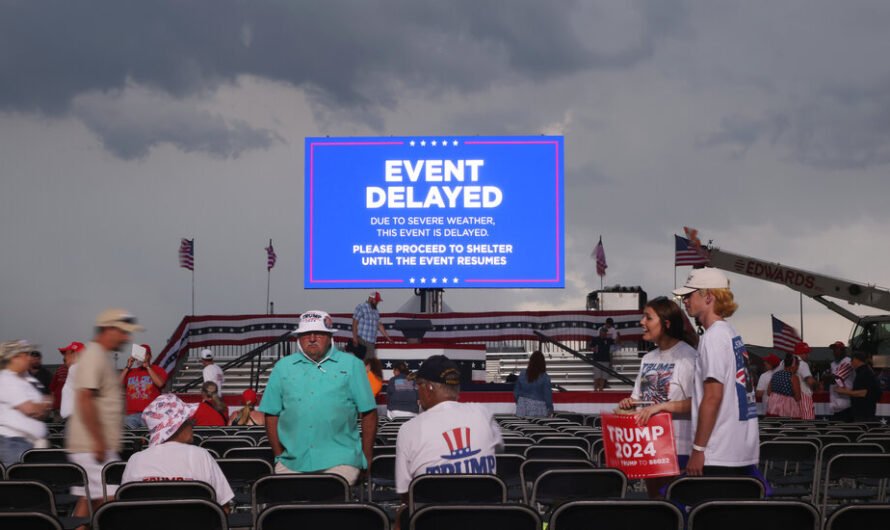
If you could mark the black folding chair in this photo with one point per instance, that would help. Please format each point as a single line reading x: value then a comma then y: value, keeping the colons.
x: 855, y: 477
x: 762, y: 515
x: 29, y: 521
x: 165, y: 490
x: 321, y: 488
x: 791, y: 468
x: 455, y: 489
x: 471, y: 517
x: 60, y: 478
x: 241, y: 474
x: 381, y: 480
x: 692, y: 491
x: 530, y: 470
x: 558, y: 486
x: 564, y: 441
x: 45, y: 456
x: 334, y: 516
x: 221, y: 444
x: 112, y: 474
x: 859, y: 517
x: 167, y: 514
x: 555, y: 452
x: 26, y: 496
x: 507, y: 468
x: 264, y: 453
x: 617, y: 515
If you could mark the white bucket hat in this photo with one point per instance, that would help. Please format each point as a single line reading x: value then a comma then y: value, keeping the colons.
x: 164, y: 416
x: 315, y: 321
x: 704, y: 278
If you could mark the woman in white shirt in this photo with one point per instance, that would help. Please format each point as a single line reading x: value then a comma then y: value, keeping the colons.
x: 666, y: 378
x: 22, y: 405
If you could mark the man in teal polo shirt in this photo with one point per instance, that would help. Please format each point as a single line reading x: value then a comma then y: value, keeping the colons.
x: 311, y: 403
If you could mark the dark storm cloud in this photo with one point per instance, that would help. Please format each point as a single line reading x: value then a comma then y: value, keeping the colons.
x: 846, y: 128
x: 352, y: 53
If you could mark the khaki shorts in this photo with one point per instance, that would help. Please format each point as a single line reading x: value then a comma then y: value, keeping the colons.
x: 94, y: 473
x: 348, y: 472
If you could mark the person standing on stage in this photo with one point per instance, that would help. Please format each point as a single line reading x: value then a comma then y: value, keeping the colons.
x: 726, y: 440
x: 366, y: 324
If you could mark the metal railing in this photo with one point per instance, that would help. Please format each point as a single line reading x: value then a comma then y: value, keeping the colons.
x: 584, y: 358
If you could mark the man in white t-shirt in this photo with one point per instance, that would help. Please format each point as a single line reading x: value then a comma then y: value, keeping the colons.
x: 447, y: 437
x: 170, y: 455
x: 211, y: 371
x: 808, y: 383
x: 724, y: 407
x: 841, y: 376
x: 772, y: 363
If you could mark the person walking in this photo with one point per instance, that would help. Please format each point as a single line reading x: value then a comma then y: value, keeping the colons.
x: 532, y: 391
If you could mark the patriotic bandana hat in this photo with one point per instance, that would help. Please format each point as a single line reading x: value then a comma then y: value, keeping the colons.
x: 164, y: 416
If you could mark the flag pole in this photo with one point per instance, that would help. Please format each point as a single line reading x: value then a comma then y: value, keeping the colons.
x: 193, y: 277
x: 801, y: 316
x: 268, y: 282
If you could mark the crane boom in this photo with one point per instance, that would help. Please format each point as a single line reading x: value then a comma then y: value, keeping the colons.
x: 816, y: 286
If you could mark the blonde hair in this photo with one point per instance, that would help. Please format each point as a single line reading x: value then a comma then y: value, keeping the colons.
x: 724, y: 302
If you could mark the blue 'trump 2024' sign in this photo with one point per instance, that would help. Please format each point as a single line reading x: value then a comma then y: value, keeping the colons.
x: 434, y: 212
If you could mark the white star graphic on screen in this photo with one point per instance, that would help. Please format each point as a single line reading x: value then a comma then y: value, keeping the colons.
x: 454, y: 280
x: 444, y: 280
x: 423, y: 280
x: 432, y: 280
x: 433, y: 143
x: 454, y: 142
x: 410, y: 280
x: 444, y: 143
x: 411, y: 143
x: 422, y: 143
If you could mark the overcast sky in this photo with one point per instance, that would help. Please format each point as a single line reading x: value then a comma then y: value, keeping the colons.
x: 126, y: 125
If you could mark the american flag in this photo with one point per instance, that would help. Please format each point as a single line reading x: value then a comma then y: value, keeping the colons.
x: 599, y: 253
x: 843, y: 371
x: 271, y: 257
x: 785, y: 338
x: 684, y: 254
x: 187, y: 254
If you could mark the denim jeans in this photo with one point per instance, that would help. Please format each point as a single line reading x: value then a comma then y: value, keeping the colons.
x: 11, y: 449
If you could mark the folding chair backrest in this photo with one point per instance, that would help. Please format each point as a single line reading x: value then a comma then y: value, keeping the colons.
x: 244, y: 471
x: 696, y: 490
x: 760, y: 514
x: 58, y: 477
x: 563, y: 485
x: 456, y: 489
x: 29, y: 521
x: 151, y: 515
x: 555, y: 452
x: 165, y: 490
x: 859, y: 517
x: 381, y: 479
x: 112, y: 474
x: 333, y: 516
x: 264, y: 453
x: 530, y: 470
x: 854, y: 466
x: 831, y: 450
x: 45, y: 456
x: 579, y: 515
x: 299, y: 488
x: 26, y: 496
x: 512, y: 516
x: 564, y: 441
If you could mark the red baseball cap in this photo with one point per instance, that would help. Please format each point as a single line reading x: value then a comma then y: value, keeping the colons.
x: 773, y: 359
x: 802, y: 348
x: 73, y: 347
x: 147, y: 348
x: 375, y: 296
x: 249, y: 396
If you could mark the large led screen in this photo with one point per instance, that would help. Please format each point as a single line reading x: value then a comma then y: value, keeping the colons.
x: 434, y: 212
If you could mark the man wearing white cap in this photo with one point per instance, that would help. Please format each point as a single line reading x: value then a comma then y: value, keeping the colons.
x: 93, y: 433
x: 170, y: 454
x: 311, y: 403
x: 211, y: 371
x: 366, y: 323
x: 724, y: 406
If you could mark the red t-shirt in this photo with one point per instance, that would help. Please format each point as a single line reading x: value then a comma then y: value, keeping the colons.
x: 140, y: 389
x: 208, y: 416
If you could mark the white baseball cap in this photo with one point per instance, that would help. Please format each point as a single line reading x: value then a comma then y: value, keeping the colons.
x: 315, y: 321
x: 704, y: 278
x: 207, y: 354
x: 165, y: 415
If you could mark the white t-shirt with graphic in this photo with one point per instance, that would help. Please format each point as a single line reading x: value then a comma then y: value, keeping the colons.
x: 450, y: 438
x: 669, y: 376
x: 178, y: 461
x: 803, y: 372
x: 763, y: 385
x: 735, y: 440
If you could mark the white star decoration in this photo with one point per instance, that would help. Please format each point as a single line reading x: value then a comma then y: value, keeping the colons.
x: 422, y: 143
x: 410, y: 280
x: 411, y: 143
